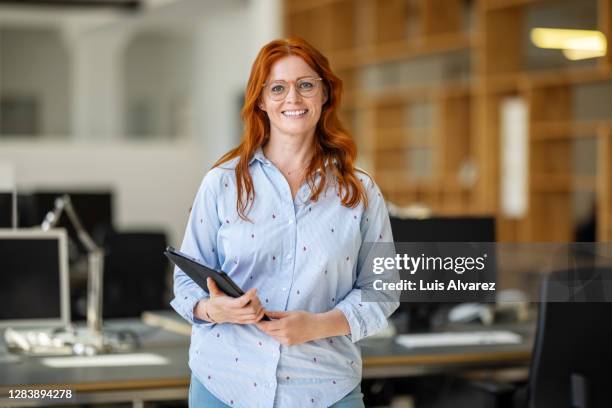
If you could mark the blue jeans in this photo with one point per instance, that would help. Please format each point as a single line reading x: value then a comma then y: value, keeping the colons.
x: 200, y: 397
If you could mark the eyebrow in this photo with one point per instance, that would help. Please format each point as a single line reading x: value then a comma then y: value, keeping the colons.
x: 297, y: 79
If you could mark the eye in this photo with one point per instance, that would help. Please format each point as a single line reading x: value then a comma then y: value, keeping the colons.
x: 306, y: 85
x: 277, y: 88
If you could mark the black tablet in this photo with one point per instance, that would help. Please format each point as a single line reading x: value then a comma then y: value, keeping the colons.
x: 199, y: 273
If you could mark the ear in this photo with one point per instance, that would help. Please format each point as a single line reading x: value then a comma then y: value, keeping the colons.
x: 325, y: 96
x: 261, y: 106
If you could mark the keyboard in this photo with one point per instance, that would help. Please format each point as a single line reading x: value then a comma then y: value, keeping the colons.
x: 445, y: 339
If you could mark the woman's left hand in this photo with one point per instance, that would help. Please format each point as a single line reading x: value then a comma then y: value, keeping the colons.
x: 290, y: 328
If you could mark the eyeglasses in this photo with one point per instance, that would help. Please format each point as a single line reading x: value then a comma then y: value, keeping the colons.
x: 306, y: 87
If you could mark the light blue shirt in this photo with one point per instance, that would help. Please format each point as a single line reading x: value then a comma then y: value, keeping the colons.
x: 300, y: 255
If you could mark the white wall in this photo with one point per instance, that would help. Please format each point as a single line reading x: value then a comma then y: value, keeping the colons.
x: 154, y: 184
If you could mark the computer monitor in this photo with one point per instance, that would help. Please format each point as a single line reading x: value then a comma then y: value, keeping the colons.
x: 440, y: 229
x: 94, y: 208
x: 34, y: 289
x: 7, y: 209
x: 443, y: 229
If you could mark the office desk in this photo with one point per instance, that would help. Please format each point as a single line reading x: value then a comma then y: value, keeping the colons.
x: 136, y: 384
x: 383, y: 358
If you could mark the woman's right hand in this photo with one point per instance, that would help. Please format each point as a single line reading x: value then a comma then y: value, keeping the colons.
x: 222, y: 308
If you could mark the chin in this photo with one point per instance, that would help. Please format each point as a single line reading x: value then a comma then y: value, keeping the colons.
x: 297, y: 130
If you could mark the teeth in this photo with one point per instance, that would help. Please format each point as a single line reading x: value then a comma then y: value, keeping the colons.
x: 294, y: 112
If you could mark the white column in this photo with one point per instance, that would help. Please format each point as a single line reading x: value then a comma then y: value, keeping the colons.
x: 222, y: 68
x: 97, y: 81
x: 221, y: 71
x: 266, y: 23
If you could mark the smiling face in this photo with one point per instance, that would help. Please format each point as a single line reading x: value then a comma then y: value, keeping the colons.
x: 297, y: 114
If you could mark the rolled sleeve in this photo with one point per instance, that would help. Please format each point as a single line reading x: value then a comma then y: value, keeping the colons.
x: 185, y: 306
x: 367, y: 317
x: 364, y: 318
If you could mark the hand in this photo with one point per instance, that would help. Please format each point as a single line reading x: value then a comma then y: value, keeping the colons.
x: 222, y: 308
x: 291, y: 328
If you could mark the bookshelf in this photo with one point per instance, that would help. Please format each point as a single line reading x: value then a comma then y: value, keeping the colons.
x: 425, y: 81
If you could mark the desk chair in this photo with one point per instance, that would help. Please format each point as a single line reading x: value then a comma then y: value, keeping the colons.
x: 572, y: 356
x: 135, y: 272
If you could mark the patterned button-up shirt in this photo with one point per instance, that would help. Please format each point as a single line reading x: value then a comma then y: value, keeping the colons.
x: 300, y: 255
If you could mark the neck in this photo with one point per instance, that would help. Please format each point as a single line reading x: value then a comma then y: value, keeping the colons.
x: 289, y: 152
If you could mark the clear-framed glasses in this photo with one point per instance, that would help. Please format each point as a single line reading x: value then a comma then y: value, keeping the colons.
x: 306, y: 87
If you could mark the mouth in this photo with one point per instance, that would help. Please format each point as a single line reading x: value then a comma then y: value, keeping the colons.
x: 295, y: 113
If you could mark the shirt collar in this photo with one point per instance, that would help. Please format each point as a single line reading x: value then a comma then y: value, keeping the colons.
x: 258, y: 155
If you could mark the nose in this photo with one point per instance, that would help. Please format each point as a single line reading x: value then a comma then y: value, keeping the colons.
x: 293, y: 95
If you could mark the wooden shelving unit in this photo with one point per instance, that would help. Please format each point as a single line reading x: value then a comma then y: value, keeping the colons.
x: 555, y: 181
x: 424, y: 83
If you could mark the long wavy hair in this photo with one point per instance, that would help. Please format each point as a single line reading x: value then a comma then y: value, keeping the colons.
x: 332, y: 143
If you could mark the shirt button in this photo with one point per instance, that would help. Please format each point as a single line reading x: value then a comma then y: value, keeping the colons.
x: 290, y: 222
x: 289, y: 256
x: 284, y: 289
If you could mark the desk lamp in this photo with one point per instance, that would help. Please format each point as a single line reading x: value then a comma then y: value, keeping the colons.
x: 94, y: 340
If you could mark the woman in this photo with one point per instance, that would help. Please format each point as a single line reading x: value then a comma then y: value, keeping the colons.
x: 286, y: 215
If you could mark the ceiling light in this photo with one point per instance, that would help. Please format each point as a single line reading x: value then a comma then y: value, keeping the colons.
x: 576, y: 44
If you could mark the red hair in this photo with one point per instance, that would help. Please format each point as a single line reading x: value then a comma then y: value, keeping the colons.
x: 332, y: 143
